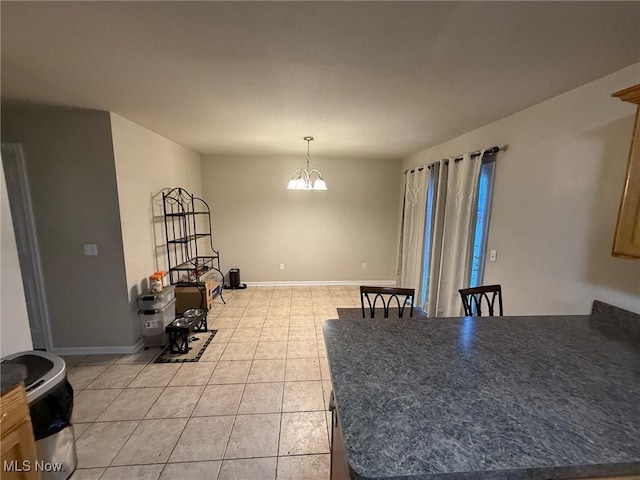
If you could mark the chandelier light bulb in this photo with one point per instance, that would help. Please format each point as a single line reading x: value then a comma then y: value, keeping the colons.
x: 302, y: 179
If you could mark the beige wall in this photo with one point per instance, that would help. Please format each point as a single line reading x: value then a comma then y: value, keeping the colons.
x: 69, y: 158
x: 319, y: 236
x: 15, y: 334
x: 145, y: 164
x: 556, y: 199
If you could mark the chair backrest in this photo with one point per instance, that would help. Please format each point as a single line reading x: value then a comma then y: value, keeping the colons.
x: 386, y: 295
x: 474, y: 298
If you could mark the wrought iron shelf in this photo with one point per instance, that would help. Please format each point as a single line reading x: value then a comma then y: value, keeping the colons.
x: 184, y: 214
x: 195, y: 264
x: 189, y: 238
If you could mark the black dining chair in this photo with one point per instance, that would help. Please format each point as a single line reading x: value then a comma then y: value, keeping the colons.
x: 386, y: 296
x: 474, y: 298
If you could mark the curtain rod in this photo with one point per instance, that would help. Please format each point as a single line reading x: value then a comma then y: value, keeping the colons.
x: 488, y: 152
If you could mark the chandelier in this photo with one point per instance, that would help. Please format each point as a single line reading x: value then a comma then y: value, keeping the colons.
x: 302, y: 178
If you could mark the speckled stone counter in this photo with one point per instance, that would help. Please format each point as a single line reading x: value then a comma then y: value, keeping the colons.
x: 356, y: 313
x: 487, y: 398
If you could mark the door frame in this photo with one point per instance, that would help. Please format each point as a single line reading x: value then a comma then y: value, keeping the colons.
x: 15, y: 171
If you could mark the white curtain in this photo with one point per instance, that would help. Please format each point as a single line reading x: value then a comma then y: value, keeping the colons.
x: 411, y: 251
x: 454, y: 203
x: 439, y: 185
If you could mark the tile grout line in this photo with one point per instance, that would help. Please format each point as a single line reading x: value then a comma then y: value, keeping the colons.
x: 224, y: 453
x: 284, y: 380
x: 165, y: 388
x: 139, y: 421
x: 194, y: 409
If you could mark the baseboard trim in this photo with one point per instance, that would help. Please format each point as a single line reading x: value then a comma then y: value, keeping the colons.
x: 306, y: 283
x: 122, y: 350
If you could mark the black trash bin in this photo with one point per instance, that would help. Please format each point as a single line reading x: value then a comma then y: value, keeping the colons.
x: 50, y: 398
x: 234, y: 280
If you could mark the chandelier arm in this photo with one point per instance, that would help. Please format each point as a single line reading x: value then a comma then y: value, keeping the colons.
x: 301, y: 179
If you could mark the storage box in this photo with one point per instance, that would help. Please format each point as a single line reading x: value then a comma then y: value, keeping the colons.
x: 191, y: 296
x: 149, y: 300
x: 154, y: 321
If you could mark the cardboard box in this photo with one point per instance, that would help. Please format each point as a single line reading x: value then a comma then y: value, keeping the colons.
x: 191, y: 297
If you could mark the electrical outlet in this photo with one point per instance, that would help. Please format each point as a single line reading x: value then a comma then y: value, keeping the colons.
x: 364, y: 265
x: 90, y: 249
x: 282, y: 266
x: 493, y: 255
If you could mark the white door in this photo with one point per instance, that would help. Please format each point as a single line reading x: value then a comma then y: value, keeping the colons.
x: 22, y: 215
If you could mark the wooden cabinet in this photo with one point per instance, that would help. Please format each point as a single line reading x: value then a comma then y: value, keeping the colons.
x: 626, y: 242
x: 632, y: 477
x: 339, y: 465
x: 18, y: 451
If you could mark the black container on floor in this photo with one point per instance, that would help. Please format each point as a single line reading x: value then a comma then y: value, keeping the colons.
x: 234, y: 280
x: 234, y: 277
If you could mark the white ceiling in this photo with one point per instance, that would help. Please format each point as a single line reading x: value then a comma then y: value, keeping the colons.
x: 367, y: 79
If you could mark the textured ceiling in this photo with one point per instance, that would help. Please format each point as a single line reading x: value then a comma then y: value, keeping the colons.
x: 367, y: 79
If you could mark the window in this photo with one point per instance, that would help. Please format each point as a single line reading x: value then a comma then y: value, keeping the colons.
x: 449, y: 254
x: 481, y: 229
x: 427, y: 239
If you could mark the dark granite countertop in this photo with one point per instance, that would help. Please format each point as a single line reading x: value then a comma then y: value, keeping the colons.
x: 351, y: 313
x: 544, y: 397
x: 10, y: 376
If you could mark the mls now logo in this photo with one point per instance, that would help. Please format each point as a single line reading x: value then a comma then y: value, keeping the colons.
x: 28, y: 466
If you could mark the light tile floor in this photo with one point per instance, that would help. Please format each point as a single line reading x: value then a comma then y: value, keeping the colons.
x: 254, y: 407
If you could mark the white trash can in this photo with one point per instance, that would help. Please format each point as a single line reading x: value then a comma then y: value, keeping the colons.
x: 50, y: 399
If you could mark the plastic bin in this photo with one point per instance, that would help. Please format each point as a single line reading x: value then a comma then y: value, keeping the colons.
x: 156, y: 300
x: 154, y: 321
x: 50, y: 398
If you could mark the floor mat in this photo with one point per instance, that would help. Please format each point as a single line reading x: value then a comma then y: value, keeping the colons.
x: 198, y: 343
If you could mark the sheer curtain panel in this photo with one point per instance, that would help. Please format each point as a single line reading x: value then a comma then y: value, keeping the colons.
x: 413, y: 223
x: 452, y: 227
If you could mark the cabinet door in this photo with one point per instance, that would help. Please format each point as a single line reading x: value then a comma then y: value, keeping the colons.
x: 18, y: 454
x: 339, y: 465
x: 18, y: 448
x: 626, y: 242
x: 627, y: 239
x: 632, y: 477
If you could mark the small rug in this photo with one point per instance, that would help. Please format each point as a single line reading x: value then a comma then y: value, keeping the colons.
x: 198, y: 343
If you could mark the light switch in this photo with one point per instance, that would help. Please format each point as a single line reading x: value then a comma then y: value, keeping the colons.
x: 493, y: 254
x: 90, y: 249
x: 282, y: 266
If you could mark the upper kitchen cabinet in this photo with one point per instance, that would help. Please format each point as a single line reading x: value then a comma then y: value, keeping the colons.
x: 626, y: 242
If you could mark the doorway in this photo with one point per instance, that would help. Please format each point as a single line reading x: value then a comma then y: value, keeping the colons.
x: 15, y: 171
